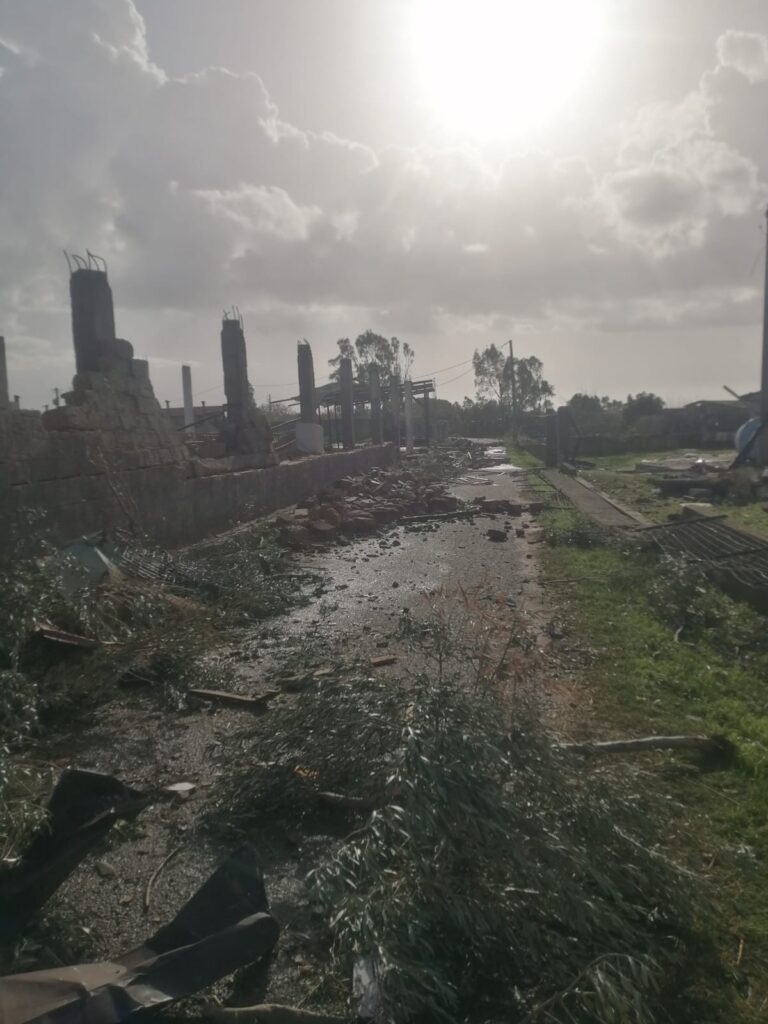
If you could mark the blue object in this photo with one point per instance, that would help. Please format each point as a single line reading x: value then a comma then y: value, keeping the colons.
x: 744, y: 435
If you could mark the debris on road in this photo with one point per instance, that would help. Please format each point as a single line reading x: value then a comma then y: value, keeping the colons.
x: 384, y: 659
x: 83, y: 807
x: 496, y: 535
x: 702, y: 744
x: 224, y: 926
x: 359, y: 505
x: 238, y: 700
x: 366, y: 987
x: 269, y: 1013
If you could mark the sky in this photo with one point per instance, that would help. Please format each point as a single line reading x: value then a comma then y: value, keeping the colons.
x: 588, y: 179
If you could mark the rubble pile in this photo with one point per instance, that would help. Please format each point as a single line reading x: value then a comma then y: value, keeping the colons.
x: 363, y: 504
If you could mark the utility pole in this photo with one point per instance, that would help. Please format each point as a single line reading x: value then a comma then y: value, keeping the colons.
x: 764, y: 376
x: 514, y: 391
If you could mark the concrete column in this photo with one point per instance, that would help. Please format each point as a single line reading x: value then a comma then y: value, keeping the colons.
x: 307, y: 383
x: 377, y: 435
x: 347, y: 404
x: 394, y: 404
x: 93, y: 317
x: 16, y: 402
x: 408, y: 387
x: 552, y: 457
x: 189, y: 408
x: 427, y: 420
x: 3, y: 376
x: 309, y: 433
x: 235, y: 364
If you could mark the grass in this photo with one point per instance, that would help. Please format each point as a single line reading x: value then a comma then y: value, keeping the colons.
x: 612, y: 475
x: 665, y: 652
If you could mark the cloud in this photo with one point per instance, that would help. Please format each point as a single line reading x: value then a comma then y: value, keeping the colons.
x: 747, y: 52
x: 200, y: 194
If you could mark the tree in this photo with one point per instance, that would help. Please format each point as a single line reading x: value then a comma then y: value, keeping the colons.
x: 392, y: 357
x: 588, y: 412
x: 533, y: 391
x: 493, y: 380
x: 644, y: 403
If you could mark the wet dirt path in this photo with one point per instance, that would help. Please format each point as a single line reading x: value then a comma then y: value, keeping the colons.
x: 369, y: 583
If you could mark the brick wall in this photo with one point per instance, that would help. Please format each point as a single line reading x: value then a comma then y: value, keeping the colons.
x: 83, y: 486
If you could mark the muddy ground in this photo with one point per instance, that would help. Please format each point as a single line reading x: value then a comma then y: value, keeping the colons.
x: 349, y: 619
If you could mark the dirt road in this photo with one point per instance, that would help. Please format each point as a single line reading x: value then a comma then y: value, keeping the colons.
x: 351, y: 618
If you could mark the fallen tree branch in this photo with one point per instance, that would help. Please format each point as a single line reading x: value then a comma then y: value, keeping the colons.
x: 354, y: 803
x: 703, y: 744
x: 269, y: 1013
x: 155, y: 875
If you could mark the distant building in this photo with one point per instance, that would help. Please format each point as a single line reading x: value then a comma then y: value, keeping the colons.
x: 718, y: 421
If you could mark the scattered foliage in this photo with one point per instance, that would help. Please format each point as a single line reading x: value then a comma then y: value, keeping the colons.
x: 501, y: 882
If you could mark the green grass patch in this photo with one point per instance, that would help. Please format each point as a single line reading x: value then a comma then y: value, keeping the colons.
x: 613, y: 475
x: 669, y: 653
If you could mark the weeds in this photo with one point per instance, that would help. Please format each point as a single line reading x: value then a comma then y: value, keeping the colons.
x: 574, y: 530
x: 340, y: 734
x: 502, y: 882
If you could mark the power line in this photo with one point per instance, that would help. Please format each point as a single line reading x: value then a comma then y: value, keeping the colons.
x: 443, y: 369
x: 443, y: 383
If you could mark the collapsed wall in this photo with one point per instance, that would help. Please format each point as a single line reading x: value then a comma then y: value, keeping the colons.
x: 109, y: 457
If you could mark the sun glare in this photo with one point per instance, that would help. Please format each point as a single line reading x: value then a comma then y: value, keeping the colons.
x: 494, y: 69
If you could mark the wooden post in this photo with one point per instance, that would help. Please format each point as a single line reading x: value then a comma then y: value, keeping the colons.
x: 427, y: 420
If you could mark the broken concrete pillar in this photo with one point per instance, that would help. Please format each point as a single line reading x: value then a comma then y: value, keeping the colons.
x: 235, y: 363
x: 93, y: 318
x: 309, y: 433
x: 3, y: 376
x: 346, y: 386
x: 16, y: 402
x: 306, y: 383
x: 246, y: 431
x: 394, y: 404
x: 189, y: 409
x: 375, y: 393
x: 408, y: 387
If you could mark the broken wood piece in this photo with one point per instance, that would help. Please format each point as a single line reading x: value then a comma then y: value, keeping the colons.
x: 62, y: 636
x: 235, y: 699
x: 460, y: 513
x: 702, y: 744
x: 353, y: 803
x: 383, y: 659
x: 269, y: 1013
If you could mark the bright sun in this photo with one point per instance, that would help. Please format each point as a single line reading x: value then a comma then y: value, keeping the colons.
x: 494, y: 69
